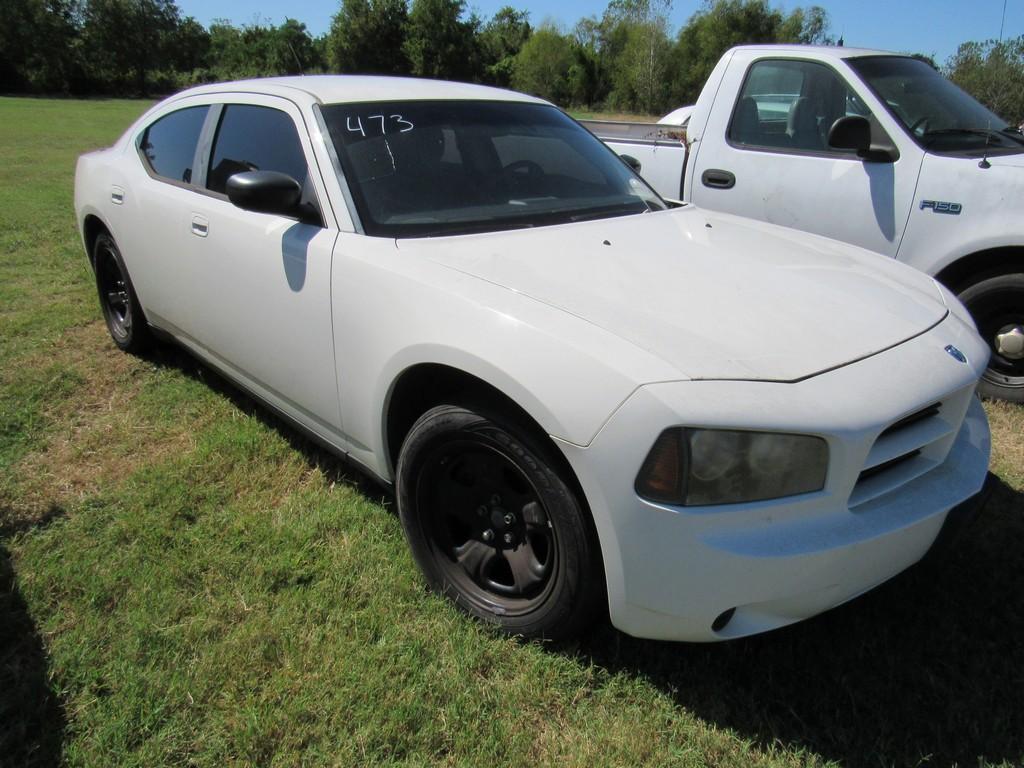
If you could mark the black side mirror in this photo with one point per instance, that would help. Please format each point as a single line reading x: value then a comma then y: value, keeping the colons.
x: 631, y: 161
x: 854, y: 132
x: 266, y: 192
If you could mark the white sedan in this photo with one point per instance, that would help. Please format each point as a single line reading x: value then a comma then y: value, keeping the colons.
x: 585, y: 397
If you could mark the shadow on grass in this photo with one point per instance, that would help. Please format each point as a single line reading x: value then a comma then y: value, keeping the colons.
x: 334, y: 468
x: 32, y: 718
x: 929, y: 668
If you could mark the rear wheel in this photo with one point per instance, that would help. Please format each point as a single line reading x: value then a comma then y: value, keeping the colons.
x: 997, y: 306
x: 493, y: 525
x: 122, y: 312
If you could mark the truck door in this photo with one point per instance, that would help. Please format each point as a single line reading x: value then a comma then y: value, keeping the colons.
x: 765, y: 155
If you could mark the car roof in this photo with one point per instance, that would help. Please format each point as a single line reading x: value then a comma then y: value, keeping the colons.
x: 823, y: 51
x: 333, y: 89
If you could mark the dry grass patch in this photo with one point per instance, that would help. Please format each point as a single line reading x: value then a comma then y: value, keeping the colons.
x: 1007, y: 422
x: 95, y: 438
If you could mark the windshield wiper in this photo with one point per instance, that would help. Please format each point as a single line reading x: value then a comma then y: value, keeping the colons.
x: 608, y: 211
x: 988, y: 133
x: 478, y: 228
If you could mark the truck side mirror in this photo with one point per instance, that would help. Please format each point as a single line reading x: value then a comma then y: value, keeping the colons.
x: 854, y: 132
x: 631, y: 161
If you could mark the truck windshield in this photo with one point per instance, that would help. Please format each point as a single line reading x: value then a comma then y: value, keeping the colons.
x: 935, y: 112
x: 425, y: 168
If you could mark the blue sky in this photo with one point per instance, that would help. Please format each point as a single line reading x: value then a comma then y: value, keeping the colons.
x: 934, y: 27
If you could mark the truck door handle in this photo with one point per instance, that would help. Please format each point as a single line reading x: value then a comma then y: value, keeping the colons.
x: 716, y: 178
x: 200, y: 226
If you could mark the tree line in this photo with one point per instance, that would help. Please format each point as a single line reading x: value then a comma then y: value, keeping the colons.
x: 627, y: 59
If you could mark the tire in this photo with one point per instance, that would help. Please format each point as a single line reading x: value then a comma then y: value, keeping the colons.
x: 997, y: 306
x: 493, y: 526
x: 119, y: 303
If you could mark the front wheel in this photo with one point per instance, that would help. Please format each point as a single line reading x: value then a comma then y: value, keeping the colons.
x: 494, y: 526
x: 997, y: 306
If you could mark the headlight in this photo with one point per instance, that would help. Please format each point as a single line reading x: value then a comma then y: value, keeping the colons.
x: 696, y: 467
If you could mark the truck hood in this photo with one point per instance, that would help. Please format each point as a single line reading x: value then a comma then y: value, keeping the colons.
x: 715, y: 296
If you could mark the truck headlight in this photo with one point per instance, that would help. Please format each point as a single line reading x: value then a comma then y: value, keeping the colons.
x: 697, y: 467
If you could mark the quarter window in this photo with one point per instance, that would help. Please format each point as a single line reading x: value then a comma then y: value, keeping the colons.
x: 169, y: 144
x: 791, y: 105
x: 253, y: 138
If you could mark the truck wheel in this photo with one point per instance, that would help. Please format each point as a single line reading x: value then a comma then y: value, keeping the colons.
x: 493, y: 526
x: 997, y: 306
x: 122, y: 312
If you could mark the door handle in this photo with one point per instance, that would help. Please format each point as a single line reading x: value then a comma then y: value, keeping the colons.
x: 716, y: 178
x: 117, y: 195
x: 200, y: 226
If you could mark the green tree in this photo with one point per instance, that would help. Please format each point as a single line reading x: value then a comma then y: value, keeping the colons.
x: 639, y: 74
x: 368, y: 36
x: 809, y: 26
x: 542, y: 65
x: 190, y: 47
x: 292, y: 50
x: 992, y: 72
x: 500, y: 40
x: 39, y: 45
x: 439, y: 43
x: 721, y: 24
x: 129, y: 36
x: 588, y: 77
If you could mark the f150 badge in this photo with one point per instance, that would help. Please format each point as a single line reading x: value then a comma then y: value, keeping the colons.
x: 940, y: 206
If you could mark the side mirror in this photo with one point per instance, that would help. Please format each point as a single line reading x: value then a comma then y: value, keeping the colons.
x: 854, y: 132
x: 631, y: 161
x: 266, y: 192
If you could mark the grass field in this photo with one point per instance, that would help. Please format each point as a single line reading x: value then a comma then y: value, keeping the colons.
x: 627, y: 117
x: 185, y: 581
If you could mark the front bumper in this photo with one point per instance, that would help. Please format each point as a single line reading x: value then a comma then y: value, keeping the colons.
x: 672, y: 571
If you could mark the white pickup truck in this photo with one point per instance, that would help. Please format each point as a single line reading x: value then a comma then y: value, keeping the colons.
x: 868, y: 147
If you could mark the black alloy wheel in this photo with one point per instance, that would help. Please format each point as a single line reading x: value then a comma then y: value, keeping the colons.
x: 997, y: 306
x: 493, y: 526
x: 120, y: 306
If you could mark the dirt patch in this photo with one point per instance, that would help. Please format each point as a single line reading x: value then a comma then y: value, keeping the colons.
x: 96, y: 436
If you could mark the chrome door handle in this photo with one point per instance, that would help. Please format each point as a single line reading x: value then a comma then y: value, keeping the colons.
x: 200, y: 226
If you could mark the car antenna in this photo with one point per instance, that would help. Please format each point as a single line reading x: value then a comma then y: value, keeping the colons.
x: 296, y: 56
x: 984, y: 160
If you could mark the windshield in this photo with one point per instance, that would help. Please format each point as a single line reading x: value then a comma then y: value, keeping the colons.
x: 940, y: 116
x: 424, y: 168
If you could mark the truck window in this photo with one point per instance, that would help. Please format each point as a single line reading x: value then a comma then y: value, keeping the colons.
x: 789, y: 105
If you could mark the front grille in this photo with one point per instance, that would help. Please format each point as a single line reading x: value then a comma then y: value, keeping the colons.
x: 879, y: 469
x: 913, y: 418
x: 906, y: 449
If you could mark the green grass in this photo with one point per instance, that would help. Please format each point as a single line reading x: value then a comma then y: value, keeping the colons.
x: 628, y: 117
x: 185, y: 581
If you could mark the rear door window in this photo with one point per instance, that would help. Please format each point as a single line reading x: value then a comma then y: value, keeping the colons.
x: 168, y: 146
x: 255, y: 138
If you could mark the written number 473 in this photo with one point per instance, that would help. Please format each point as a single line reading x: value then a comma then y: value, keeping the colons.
x: 356, y: 125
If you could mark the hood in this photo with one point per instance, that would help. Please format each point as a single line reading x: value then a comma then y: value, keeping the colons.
x: 1015, y: 160
x: 715, y: 296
